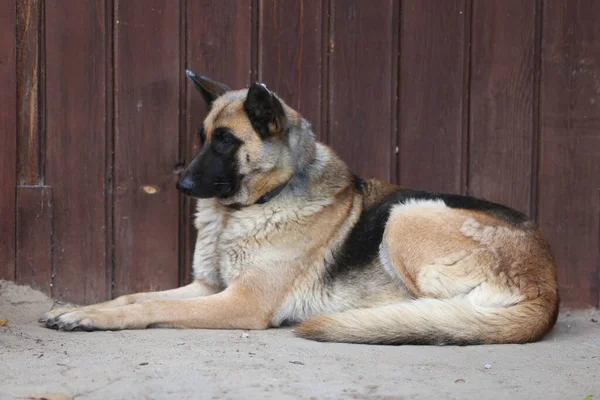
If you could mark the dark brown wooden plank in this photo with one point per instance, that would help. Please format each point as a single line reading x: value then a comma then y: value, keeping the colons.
x: 502, y: 93
x: 362, y: 86
x: 431, y: 94
x: 224, y: 57
x: 146, y: 209
x: 290, y: 53
x: 325, y: 66
x: 569, y: 170
x: 34, y: 237
x: 29, y: 93
x: 8, y: 137
x: 76, y: 71
x: 109, y: 135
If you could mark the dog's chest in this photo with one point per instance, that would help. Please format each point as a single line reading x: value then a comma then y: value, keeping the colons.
x: 269, y: 239
x: 256, y: 241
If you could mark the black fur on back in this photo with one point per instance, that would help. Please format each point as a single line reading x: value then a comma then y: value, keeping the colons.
x: 362, y: 245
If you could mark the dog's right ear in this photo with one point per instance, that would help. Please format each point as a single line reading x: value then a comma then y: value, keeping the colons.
x: 208, y: 88
x: 265, y: 111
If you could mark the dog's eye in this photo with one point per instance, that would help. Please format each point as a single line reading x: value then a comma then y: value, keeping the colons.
x: 224, y: 136
x: 224, y: 141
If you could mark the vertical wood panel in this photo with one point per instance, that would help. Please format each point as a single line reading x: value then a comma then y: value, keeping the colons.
x: 8, y: 135
x: 219, y: 38
x: 290, y: 53
x: 431, y: 94
x: 501, y: 109
x: 109, y: 148
x: 219, y: 46
x: 75, y: 164
x: 34, y: 237
x: 570, y: 145
x: 146, y: 145
x: 184, y: 228
x: 362, y: 86
x: 30, y: 91
x: 325, y: 66
x: 34, y: 203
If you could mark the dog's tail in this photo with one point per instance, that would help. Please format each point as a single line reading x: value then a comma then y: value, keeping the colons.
x: 436, y: 321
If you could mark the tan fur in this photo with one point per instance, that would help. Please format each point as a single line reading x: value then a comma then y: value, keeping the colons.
x: 269, y: 181
x: 449, y: 321
x: 441, y: 274
x: 195, y: 289
x: 236, y: 307
x: 470, y: 269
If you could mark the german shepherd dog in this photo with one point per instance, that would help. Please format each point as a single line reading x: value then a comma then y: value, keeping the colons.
x: 287, y: 234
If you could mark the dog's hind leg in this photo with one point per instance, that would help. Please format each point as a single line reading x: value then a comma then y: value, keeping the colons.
x: 237, y: 307
x: 195, y: 289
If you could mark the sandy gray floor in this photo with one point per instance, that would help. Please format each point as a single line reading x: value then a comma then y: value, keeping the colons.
x: 182, y: 364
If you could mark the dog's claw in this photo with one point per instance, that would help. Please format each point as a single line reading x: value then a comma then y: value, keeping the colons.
x: 52, y: 317
x: 78, y: 328
x: 52, y: 324
x: 70, y: 322
x: 69, y: 327
x: 74, y: 319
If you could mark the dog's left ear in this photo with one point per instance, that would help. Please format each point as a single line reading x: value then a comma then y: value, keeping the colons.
x: 208, y: 88
x: 265, y: 111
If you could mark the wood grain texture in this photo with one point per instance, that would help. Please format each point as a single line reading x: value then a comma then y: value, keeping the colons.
x: 502, y: 102
x: 219, y: 45
x: 30, y: 91
x: 109, y: 148
x: 8, y: 138
x: 34, y: 237
x: 431, y: 94
x: 146, y: 203
x: 290, y: 51
x: 361, y: 86
x: 75, y: 162
x: 569, y: 180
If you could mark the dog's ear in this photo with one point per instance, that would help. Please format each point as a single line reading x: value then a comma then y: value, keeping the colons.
x: 265, y: 111
x: 208, y: 88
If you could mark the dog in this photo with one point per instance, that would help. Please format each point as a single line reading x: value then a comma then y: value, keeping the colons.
x: 287, y: 234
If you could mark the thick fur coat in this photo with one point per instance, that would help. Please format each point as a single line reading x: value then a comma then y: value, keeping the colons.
x: 287, y: 234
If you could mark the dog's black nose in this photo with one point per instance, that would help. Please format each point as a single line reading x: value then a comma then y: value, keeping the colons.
x: 185, y: 184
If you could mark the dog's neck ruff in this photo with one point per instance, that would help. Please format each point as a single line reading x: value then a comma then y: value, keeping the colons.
x: 270, y: 195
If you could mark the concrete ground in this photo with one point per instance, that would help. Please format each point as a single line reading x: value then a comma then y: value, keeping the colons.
x: 36, y: 362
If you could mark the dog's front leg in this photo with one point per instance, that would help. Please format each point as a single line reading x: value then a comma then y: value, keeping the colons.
x: 237, y: 307
x: 195, y: 289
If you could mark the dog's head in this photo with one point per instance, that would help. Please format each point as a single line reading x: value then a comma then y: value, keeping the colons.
x: 245, y: 148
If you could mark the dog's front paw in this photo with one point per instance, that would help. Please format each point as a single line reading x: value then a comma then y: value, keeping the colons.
x: 78, y: 321
x: 53, y: 314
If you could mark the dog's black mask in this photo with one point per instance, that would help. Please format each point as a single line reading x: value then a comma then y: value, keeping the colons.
x: 214, y: 171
